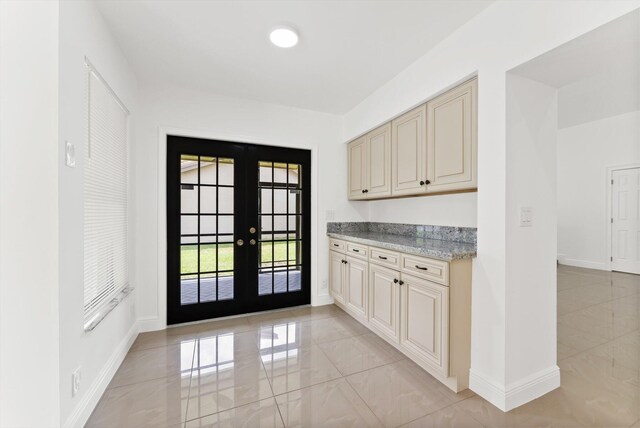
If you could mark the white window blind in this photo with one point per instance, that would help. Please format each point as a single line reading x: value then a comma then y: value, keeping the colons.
x: 105, y: 197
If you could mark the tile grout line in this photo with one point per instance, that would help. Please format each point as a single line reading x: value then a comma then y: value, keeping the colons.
x: 186, y: 410
x: 596, y: 304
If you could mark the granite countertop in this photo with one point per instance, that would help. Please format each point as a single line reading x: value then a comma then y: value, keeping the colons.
x: 434, y: 248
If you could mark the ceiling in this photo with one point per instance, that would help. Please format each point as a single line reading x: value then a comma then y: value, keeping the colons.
x: 347, y: 49
x: 597, y: 74
x: 610, y: 49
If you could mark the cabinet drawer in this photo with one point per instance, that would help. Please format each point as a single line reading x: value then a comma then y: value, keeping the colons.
x: 384, y: 257
x: 357, y: 250
x: 433, y: 270
x: 336, y: 245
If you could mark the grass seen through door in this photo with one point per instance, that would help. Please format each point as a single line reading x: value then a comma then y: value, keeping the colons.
x: 189, y: 256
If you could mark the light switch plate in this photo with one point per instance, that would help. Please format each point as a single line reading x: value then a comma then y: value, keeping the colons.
x: 70, y: 154
x: 526, y: 216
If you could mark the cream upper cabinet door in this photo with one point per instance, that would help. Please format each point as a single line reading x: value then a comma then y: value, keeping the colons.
x: 357, y: 168
x: 379, y: 162
x: 409, y: 153
x: 384, y: 301
x: 356, y: 290
x: 424, y: 329
x: 336, y: 275
x: 452, y: 139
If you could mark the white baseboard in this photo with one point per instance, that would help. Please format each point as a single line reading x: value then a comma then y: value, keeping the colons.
x: 487, y: 389
x: 80, y: 415
x: 532, y: 387
x: 150, y: 324
x: 518, y: 393
x: 322, y: 300
x: 588, y: 264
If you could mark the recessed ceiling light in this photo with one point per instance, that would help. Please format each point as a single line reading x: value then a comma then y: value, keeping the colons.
x: 284, y: 37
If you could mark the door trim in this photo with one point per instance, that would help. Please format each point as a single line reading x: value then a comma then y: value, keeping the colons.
x: 609, y: 202
x: 159, y: 320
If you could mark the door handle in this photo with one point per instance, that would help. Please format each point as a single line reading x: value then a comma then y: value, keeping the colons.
x: 240, y: 242
x: 252, y: 242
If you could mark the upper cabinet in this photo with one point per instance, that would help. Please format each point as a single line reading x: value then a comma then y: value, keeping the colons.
x: 452, y: 139
x: 430, y: 149
x: 370, y: 165
x: 357, y: 168
x: 409, y: 153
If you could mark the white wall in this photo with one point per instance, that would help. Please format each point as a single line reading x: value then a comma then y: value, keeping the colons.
x: 584, y: 153
x: 99, y: 352
x: 443, y: 210
x: 503, y: 36
x: 602, y: 95
x: 532, y: 123
x: 186, y: 112
x: 29, y: 346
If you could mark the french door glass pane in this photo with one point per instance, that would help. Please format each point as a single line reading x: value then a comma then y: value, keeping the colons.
x: 206, y: 229
x: 280, y: 220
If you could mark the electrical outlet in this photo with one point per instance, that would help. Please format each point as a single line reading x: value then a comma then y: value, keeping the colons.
x: 76, y: 376
x: 324, y: 284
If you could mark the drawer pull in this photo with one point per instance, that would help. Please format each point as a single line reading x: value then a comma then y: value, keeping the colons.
x: 421, y: 268
x: 336, y: 245
x: 355, y: 250
x: 382, y: 257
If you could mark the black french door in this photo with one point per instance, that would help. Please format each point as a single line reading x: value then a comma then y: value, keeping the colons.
x: 238, y: 228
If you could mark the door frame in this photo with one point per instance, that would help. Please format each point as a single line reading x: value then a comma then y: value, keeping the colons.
x: 609, y: 202
x: 159, y: 321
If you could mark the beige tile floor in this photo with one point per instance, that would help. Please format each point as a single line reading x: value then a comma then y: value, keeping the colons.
x: 319, y: 367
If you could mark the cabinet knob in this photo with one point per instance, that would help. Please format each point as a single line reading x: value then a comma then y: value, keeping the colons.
x: 365, y: 191
x: 422, y: 183
x: 395, y: 280
x: 401, y: 282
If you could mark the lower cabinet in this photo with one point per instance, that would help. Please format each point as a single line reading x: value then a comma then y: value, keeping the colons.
x: 384, y: 298
x: 424, y: 312
x: 336, y: 275
x: 419, y: 305
x: 356, y: 284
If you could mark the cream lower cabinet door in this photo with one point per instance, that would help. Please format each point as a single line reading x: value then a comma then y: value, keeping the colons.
x: 452, y: 147
x: 424, y: 329
x: 384, y: 301
x: 336, y: 275
x: 356, y: 290
x: 409, y: 153
x: 358, y: 168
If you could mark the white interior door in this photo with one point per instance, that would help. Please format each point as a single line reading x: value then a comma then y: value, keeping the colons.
x: 625, y: 228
